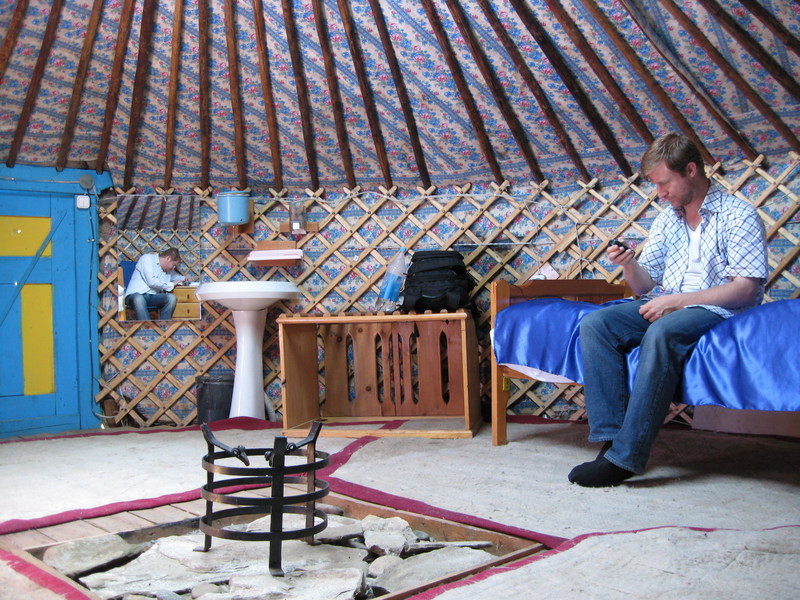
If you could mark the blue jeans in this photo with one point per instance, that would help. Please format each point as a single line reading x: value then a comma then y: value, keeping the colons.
x: 632, y: 419
x: 142, y: 304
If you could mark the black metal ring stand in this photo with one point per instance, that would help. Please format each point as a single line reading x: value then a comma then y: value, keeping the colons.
x: 276, y: 475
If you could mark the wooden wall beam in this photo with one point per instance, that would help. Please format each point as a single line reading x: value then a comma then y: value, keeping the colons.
x: 12, y: 35
x: 36, y: 80
x: 463, y: 90
x: 266, y: 89
x: 402, y: 92
x: 581, y: 44
x: 753, y: 48
x: 533, y: 85
x: 570, y: 82
x: 334, y: 92
x: 366, y: 92
x: 139, y: 84
x: 644, y: 74
x: 776, y: 27
x: 296, y: 54
x: 688, y: 79
x: 204, y: 88
x: 115, y: 82
x: 174, y: 80
x: 715, y: 55
x: 77, y: 87
x: 496, y: 89
x: 235, y: 93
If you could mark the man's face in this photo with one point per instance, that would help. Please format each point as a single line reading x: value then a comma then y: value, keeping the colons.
x: 673, y: 186
x: 168, y: 264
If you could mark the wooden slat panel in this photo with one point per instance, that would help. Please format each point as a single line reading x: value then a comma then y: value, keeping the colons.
x: 337, y: 372
x: 365, y: 369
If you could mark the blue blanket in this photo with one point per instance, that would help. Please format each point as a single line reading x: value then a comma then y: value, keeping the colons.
x: 750, y: 361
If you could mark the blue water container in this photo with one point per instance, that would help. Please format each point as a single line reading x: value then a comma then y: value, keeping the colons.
x: 233, y: 208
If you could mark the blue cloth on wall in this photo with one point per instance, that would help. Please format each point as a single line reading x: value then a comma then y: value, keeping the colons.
x: 750, y: 361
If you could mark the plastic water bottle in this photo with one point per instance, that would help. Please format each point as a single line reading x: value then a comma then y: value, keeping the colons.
x: 393, y: 281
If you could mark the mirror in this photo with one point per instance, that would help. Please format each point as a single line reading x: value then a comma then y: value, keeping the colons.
x: 149, y: 225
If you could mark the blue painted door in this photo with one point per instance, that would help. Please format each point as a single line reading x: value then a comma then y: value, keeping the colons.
x: 44, y: 304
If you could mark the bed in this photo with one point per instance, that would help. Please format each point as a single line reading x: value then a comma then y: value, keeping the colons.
x: 734, y: 365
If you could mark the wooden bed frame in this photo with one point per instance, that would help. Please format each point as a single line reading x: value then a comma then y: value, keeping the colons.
x: 504, y: 294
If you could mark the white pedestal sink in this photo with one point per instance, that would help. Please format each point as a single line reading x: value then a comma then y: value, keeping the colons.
x: 248, y: 300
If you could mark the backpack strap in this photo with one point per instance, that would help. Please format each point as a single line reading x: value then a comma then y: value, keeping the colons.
x: 453, y: 298
x: 410, y: 299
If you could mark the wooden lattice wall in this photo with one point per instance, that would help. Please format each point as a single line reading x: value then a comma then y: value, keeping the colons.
x: 149, y: 369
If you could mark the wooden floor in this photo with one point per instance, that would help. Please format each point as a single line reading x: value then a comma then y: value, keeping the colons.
x: 35, y: 540
x: 175, y: 519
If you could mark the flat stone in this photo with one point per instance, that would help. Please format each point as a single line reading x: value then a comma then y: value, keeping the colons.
x: 387, y: 536
x: 421, y: 568
x: 342, y: 584
x: 173, y: 564
x: 339, y: 528
x: 382, y: 564
x: 205, y: 588
x: 81, y: 556
x: 167, y: 595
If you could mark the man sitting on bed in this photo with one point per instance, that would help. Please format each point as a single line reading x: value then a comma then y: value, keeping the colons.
x: 704, y: 260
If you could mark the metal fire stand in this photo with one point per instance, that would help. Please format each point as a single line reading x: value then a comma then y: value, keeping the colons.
x: 228, y: 491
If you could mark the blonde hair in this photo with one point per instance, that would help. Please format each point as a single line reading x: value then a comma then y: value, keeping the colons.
x: 673, y: 149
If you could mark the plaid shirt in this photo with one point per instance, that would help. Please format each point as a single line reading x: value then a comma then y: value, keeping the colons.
x: 732, y: 244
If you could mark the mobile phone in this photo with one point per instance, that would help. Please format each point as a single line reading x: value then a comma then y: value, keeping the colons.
x: 621, y: 244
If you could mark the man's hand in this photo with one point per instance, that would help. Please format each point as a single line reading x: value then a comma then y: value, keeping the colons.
x: 661, y: 306
x: 619, y: 255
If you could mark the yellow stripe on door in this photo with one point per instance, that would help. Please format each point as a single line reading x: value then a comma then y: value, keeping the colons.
x: 22, y: 236
x: 38, y: 364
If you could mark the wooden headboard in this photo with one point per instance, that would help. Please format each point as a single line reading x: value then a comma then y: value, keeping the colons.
x: 504, y: 294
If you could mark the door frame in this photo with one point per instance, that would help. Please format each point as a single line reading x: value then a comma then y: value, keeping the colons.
x: 67, y: 191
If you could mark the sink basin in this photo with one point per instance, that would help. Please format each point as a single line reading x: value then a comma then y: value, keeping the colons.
x: 248, y: 300
x: 246, y: 295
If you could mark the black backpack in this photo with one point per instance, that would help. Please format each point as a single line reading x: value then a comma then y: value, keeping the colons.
x: 437, y: 280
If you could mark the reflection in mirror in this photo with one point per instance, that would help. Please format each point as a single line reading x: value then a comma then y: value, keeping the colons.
x: 158, y: 247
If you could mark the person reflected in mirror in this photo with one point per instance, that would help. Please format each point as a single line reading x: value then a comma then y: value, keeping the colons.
x: 151, y: 284
x: 704, y: 261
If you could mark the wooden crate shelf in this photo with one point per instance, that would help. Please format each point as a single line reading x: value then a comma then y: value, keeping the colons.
x: 420, y: 367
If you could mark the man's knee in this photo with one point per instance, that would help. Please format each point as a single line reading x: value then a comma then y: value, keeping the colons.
x: 135, y: 301
x: 593, y: 323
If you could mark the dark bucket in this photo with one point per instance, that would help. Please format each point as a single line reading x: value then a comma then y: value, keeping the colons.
x: 214, y: 396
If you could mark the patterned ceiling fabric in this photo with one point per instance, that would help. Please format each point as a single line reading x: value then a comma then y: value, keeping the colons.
x: 451, y: 147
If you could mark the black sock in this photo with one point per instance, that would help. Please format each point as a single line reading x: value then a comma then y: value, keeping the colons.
x: 599, y: 473
x: 606, y: 447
